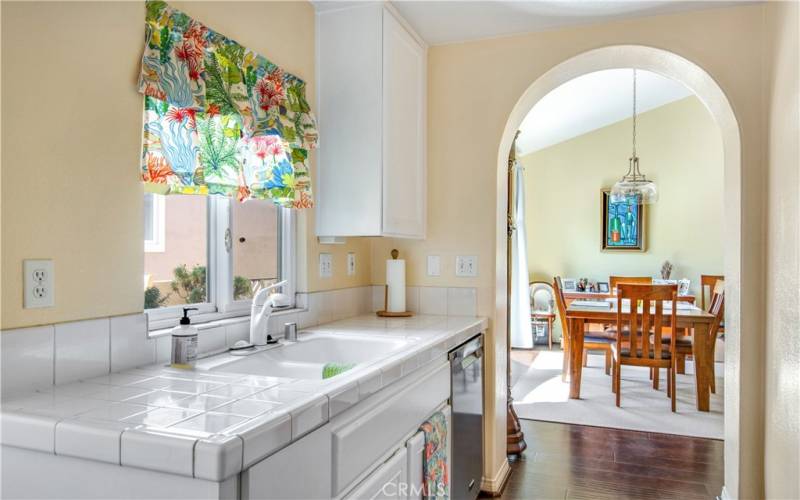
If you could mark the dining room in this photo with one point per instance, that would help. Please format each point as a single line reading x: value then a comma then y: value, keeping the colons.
x: 620, y: 175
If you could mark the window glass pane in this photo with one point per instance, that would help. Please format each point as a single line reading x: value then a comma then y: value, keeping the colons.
x: 255, y: 230
x: 177, y: 273
x: 149, y: 227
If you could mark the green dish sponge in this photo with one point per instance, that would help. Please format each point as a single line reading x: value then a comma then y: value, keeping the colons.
x: 333, y: 369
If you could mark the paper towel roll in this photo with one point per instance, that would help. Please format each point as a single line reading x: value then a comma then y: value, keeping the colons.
x: 396, y: 281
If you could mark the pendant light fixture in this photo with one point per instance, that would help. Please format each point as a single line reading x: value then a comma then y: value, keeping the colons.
x: 634, y: 184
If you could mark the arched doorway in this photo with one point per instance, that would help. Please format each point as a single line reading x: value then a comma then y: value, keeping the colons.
x: 708, y: 91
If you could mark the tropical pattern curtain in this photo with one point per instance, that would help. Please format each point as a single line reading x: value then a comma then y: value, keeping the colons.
x: 220, y: 118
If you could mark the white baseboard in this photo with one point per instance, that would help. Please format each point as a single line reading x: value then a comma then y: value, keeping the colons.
x: 494, y: 486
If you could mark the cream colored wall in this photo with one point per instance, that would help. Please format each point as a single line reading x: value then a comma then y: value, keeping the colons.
x: 472, y: 88
x: 71, y: 144
x: 782, y: 384
x: 680, y: 149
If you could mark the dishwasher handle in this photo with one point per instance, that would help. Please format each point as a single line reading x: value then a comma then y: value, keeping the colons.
x: 472, y: 358
x: 472, y: 347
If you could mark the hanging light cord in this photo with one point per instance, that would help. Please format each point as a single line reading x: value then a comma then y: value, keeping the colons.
x: 634, y: 112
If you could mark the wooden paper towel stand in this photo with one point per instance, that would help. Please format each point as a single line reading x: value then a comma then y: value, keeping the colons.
x: 388, y: 314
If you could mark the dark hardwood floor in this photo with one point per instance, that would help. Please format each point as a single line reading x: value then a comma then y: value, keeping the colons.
x: 579, y: 462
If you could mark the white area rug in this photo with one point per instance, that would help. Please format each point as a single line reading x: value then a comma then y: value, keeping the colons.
x: 539, y: 394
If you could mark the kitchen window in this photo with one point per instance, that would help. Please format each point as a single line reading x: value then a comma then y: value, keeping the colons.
x: 154, y: 223
x: 212, y: 253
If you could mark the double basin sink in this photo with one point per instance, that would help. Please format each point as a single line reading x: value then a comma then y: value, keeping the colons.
x: 307, y: 357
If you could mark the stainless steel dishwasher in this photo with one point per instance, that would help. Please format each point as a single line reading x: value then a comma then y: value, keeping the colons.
x: 466, y: 400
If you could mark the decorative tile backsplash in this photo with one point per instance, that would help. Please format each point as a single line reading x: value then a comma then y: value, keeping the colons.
x: 41, y: 356
x: 443, y: 301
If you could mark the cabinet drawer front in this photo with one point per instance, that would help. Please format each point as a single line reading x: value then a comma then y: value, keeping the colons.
x: 359, y: 444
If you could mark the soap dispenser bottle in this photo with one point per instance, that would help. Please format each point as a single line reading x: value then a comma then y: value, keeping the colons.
x: 184, y: 342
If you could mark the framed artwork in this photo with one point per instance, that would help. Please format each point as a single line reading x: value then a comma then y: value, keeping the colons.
x: 623, y: 224
x: 569, y: 284
x: 602, y: 287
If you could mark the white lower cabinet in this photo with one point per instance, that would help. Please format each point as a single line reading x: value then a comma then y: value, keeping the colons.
x: 389, y: 481
x: 368, y: 433
x: 415, y: 452
x: 301, y: 470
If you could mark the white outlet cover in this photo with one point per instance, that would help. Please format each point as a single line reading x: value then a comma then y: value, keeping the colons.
x: 351, y: 264
x: 325, y: 265
x: 467, y: 266
x: 39, y: 283
x: 434, y: 265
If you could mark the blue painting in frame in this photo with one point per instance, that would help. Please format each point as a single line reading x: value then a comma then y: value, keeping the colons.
x: 623, y: 224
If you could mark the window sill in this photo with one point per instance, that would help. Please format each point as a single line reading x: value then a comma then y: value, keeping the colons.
x: 163, y: 327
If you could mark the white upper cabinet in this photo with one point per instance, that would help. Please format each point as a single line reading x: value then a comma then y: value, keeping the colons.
x: 371, y: 172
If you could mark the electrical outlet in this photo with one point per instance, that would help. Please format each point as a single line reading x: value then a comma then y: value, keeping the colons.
x: 434, y: 265
x: 325, y: 265
x: 467, y: 265
x: 39, y: 281
x: 351, y: 264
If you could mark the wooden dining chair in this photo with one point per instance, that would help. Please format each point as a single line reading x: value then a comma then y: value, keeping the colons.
x: 683, y: 344
x: 634, y: 280
x: 708, y: 281
x: 592, y: 340
x: 645, y: 350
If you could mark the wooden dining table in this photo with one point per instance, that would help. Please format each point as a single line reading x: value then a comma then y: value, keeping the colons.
x: 697, y: 321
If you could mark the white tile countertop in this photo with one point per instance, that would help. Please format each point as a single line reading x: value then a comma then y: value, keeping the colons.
x: 214, y: 424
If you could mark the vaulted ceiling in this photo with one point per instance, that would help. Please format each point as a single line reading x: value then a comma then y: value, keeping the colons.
x: 593, y: 101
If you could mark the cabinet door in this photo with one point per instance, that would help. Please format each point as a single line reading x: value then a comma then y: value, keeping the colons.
x: 387, y: 482
x: 404, y: 117
x: 415, y: 457
x: 348, y: 177
x: 302, y: 470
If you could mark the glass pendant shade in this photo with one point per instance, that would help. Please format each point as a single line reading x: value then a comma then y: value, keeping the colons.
x: 634, y: 185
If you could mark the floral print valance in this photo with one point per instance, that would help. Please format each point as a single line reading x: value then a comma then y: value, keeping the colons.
x: 220, y: 118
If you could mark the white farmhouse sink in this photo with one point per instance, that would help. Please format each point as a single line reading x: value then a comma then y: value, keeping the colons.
x: 306, y: 358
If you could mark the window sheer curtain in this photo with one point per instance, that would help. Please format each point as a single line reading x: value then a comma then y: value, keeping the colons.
x: 520, y: 309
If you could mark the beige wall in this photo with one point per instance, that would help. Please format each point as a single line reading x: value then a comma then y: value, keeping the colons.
x: 680, y: 149
x: 782, y: 363
x: 71, y: 145
x: 472, y: 89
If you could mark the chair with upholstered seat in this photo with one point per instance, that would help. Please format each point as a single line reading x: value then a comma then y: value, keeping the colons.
x: 542, y: 308
x: 645, y: 350
x: 592, y: 341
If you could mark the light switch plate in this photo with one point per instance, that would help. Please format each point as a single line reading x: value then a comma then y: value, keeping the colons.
x: 325, y: 265
x: 351, y: 264
x: 434, y: 265
x: 467, y: 265
x: 39, y: 278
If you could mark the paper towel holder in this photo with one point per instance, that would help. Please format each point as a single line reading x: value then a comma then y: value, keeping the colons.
x: 385, y: 313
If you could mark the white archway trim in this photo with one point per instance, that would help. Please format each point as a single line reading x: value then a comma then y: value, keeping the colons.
x: 709, y: 92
